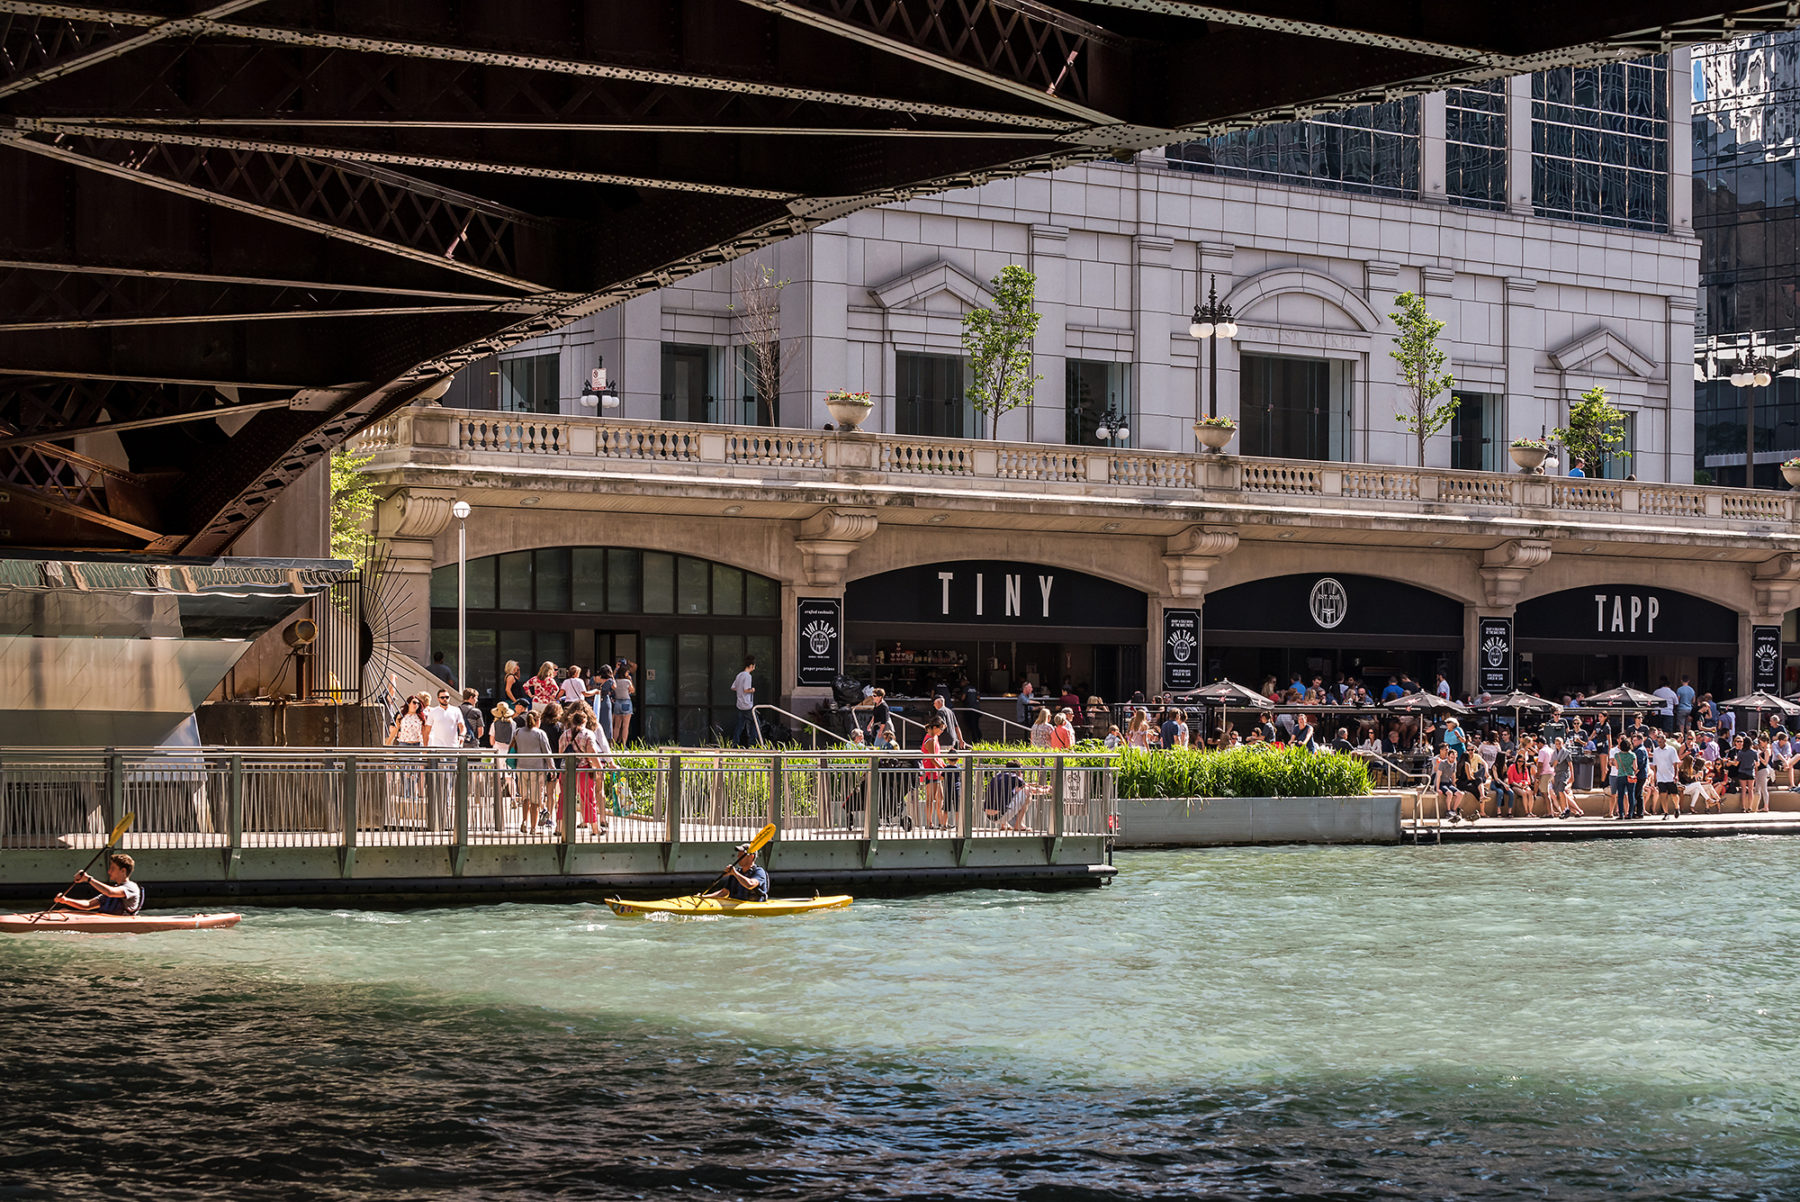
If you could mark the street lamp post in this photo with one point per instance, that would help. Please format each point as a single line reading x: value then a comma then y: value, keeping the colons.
x: 1112, y: 425
x: 460, y: 511
x: 1754, y: 371
x: 1212, y: 321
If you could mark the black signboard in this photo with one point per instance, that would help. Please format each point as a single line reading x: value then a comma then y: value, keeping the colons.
x: 1765, y: 659
x: 820, y: 625
x: 995, y: 593
x: 1181, y: 650
x: 1327, y: 606
x: 1494, y: 655
x: 1616, y: 613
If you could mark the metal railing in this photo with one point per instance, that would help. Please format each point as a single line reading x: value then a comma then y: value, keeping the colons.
x: 236, y: 798
x: 591, y: 444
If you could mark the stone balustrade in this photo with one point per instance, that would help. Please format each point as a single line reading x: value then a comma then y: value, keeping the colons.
x: 428, y: 436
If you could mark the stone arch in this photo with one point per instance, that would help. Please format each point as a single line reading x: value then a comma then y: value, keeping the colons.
x: 1267, y: 285
x: 1465, y: 589
x: 774, y: 557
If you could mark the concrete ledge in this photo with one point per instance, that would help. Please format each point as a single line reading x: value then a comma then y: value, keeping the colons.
x: 1236, y: 821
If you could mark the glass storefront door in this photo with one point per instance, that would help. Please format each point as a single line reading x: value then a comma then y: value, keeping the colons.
x: 1294, y: 408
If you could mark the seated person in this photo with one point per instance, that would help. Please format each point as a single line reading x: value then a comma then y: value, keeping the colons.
x: 119, y: 894
x: 745, y: 880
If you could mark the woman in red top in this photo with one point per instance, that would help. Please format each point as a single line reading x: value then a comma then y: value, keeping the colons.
x: 1518, y: 779
x: 931, y: 773
x: 542, y: 688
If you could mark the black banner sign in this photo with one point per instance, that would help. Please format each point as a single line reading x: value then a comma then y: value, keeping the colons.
x: 1494, y: 655
x: 1765, y: 659
x: 995, y: 593
x: 1181, y: 650
x: 1626, y: 614
x: 820, y: 629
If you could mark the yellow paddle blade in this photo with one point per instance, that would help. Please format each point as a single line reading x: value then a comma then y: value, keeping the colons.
x: 120, y: 829
x: 763, y: 837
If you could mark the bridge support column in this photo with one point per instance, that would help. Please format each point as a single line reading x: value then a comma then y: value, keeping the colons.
x: 405, y: 523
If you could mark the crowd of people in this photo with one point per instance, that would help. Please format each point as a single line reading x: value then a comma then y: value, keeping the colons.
x: 536, y: 720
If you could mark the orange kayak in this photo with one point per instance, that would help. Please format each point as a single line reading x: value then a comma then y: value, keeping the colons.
x: 96, y: 924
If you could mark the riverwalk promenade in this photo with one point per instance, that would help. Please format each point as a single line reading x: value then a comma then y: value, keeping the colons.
x: 286, y: 825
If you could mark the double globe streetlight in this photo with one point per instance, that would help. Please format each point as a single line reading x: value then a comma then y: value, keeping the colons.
x: 1112, y: 425
x: 1754, y: 371
x: 1212, y: 322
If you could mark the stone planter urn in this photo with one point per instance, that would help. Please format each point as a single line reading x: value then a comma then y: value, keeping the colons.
x: 1529, y: 459
x: 1214, y: 437
x: 1790, y: 471
x: 849, y: 410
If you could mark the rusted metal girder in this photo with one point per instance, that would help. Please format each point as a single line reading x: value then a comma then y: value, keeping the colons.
x: 210, y: 207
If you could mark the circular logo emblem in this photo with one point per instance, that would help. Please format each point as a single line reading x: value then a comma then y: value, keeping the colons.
x: 1328, y: 603
x: 818, y: 636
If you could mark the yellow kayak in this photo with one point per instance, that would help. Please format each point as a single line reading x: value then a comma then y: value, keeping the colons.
x: 700, y: 907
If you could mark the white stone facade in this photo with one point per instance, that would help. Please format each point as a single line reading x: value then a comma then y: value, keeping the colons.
x: 1536, y: 310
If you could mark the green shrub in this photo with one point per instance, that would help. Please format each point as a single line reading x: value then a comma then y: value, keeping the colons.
x: 1241, y: 772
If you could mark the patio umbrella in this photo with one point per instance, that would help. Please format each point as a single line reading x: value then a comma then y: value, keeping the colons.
x: 1227, y: 693
x: 1425, y: 703
x: 1762, y: 701
x: 1625, y: 697
x: 1519, y: 702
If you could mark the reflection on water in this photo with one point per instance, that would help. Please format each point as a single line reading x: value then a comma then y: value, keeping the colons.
x: 1489, y: 1022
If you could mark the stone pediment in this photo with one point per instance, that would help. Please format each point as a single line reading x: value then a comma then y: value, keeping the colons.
x: 1603, y: 353
x: 940, y: 288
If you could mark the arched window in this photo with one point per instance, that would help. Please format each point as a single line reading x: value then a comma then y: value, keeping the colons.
x: 687, y: 623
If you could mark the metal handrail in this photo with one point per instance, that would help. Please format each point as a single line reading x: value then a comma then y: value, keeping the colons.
x: 810, y: 725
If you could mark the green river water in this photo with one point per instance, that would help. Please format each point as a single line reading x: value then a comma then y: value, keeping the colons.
x: 1605, y: 1020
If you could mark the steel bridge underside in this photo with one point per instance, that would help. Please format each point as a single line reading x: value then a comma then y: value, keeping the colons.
x: 232, y: 232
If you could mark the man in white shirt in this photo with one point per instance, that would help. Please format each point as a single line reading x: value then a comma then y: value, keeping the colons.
x: 1667, y: 758
x: 1443, y: 687
x: 744, y: 687
x: 444, y: 727
x: 1666, y: 716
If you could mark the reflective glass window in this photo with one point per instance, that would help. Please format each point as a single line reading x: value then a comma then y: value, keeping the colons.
x: 1599, y: 143
x: 1371, y: 149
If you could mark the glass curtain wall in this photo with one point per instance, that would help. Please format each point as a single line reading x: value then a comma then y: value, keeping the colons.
x: 1294, y: 408
x: 1600, y: 143
x: 1475, y: 145
x: 1090, y: 389
x: 1372, y: 149
x: 931, y: 397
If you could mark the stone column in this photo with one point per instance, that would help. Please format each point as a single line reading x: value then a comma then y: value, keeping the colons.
x: 1775, y: 588
x: 406, y: 522
x: 1525, y: 414
x: 1188, y: 561
x: 1518, y: 145
x: 1154, y: 305
x: 1384, y: 439
x: 1433, y: 161
x: 1043, y: 421
x: 1436, y: 285
x: 1681, y: 144
x: 640, y: 375
x: 820, y: 297
x: 1678, y: 459
x: 826, y: 540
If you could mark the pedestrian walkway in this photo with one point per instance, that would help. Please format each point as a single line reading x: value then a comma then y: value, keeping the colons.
x: 1566, y: 830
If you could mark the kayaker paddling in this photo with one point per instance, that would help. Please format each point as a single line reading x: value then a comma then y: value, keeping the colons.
x: 745, y: 880
x: 118, y: 894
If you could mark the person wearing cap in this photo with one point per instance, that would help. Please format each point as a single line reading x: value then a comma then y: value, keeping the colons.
x: 745, y: 880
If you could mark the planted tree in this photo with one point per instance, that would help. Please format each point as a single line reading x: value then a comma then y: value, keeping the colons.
x: 1594, y: 432
x: 352, y: 505
x: 1422, y: 375
x: 998, y: 344
x: 766, y: 356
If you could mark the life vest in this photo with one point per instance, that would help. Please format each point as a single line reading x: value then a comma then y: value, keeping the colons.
x: 124, y: 906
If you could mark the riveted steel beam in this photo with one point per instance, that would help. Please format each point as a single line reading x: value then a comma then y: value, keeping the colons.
x: 369, y: 202
x: 108, y: 36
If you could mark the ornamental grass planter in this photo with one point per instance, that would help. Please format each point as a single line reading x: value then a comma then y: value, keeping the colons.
x: 1214, y: 438
x: 1529, y: 459
x: 848, y: 414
